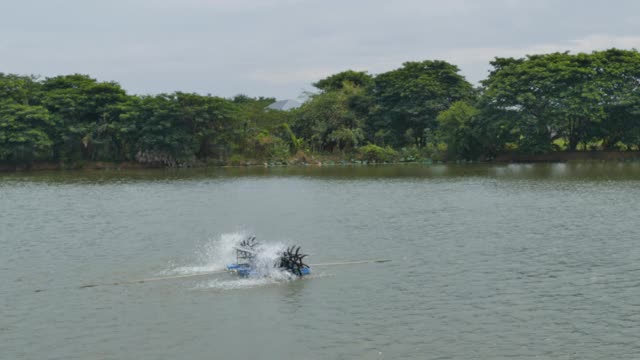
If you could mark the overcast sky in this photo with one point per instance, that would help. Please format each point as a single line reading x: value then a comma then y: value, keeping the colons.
x: 279, y: 47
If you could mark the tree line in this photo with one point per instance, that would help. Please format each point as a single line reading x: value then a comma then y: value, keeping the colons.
x: 427, y: 109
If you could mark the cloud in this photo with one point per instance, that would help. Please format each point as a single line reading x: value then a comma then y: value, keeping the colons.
x: 278, y: 47
x: 279, y: 76
x: 225, y: 5
x: 478, y: 58
x: 600, y: 42
x: 473, y: 61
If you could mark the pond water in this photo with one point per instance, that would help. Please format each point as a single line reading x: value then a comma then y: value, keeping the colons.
x: 487, y: 262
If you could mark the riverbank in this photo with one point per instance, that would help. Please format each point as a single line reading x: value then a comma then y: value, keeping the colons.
x: 566, y: 156
x: 85, y: 165
x: 327, y: 160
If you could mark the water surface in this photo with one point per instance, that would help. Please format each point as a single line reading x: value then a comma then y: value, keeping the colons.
x: 489, y: 262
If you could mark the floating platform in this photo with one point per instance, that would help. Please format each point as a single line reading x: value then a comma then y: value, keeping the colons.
x: 246, y: 270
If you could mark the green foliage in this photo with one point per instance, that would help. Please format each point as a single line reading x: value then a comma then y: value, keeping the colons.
x: 181, y: 126
x: 346, y: 138
x: 580, y: 97
x: 237, y: 159
x: 346, y: 78
x: 619, y: 75
x: 536, y: 104
x: 85, y: 111
x: 296, y: 144
x: 271, y: 147
x: 411, y: 154
x: 160, y: 133
x: 372, y: 152
x: 408, y: 100
x: 24, y: 133
x: 457, y: 130
x: 332, y: 120
x: 253, y: 121
x: 23, y: 90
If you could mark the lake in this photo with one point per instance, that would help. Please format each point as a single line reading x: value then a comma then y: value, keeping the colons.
x: 487, y: 262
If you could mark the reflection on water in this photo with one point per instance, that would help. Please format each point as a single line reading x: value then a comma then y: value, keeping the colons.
x: 489, y: 261
x: 569, y: 171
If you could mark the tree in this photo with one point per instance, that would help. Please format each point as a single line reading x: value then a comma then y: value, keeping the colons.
x: 338, y: 81
x: 255, y: 123
x: 519, y: 93
x: 619, y: 81
x: 208, y: 120
x: 331, y: 121
x: 24, y: 90
x: 179, y: 127
x: 408, y: 100
x: 457, y: 130
x: 24, y: 132
x: 84, y: 109
x: 158, y: 136
x: 561, y: 96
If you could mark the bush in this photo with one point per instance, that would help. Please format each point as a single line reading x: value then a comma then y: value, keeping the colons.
x: 376, y: 153
x: 271, y: 147
x: 410, y: 154
x: 237, y: 160
x: 301, y: 158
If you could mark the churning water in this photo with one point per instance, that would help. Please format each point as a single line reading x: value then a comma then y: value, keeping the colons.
x: 488, y: 262
x: 219, y: 252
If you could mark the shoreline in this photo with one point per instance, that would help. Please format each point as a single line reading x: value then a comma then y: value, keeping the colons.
x: 508, y: 158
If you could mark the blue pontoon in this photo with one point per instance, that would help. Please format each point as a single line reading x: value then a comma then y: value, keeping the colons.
x: 290, y: 260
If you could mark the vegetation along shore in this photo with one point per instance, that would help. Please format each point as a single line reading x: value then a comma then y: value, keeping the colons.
x: 551, y: 107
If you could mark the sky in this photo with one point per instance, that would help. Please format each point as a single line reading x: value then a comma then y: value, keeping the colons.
x: 278, y: 48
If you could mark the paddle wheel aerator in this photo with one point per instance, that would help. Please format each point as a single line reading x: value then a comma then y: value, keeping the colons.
x: 289, y: 260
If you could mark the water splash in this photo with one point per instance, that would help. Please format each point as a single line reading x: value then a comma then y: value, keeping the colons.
x: 212, y: 256
x: 236, y: 284
x: 253, y: 282
x: 267, y: 256
x: 216, y: 254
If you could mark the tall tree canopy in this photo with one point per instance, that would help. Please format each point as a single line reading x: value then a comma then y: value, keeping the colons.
x: 408, y: 100
x: 564, y: 96
x: 338, y: 81
x: 333, y: 120
x: 535, y: 104
x: 85, y: 110
x: 25, y: 132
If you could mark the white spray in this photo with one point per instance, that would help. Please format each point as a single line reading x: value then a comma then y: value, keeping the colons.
x: 212, y: 256
x: 218, y: 253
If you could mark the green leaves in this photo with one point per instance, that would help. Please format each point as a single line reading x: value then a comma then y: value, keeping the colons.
x: 409, y: 99
x: 377, y: 153
x: 180, y: 126
x: 457, y: 130
x: 574, y: 97
x: 346, y: 78
x: 334, y: 120
x: 535, y: 104
x: 24, y: 133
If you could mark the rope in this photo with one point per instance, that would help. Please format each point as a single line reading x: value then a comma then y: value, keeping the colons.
x: 141, y: 281
x: 356, y: 262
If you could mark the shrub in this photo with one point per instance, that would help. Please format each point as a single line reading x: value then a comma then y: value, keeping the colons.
x: 376, y: 153
x: 237, y: 159
x: 410, y: 154
x: 271, y: 147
